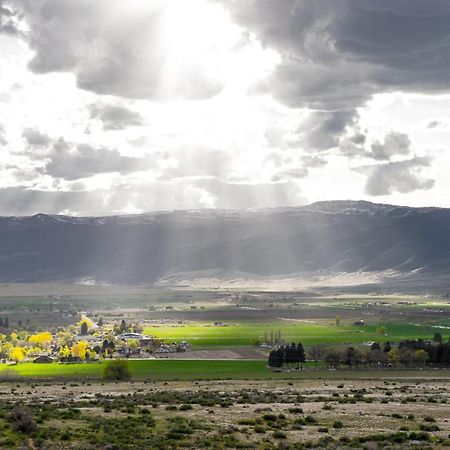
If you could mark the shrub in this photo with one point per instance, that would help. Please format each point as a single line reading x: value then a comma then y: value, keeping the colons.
x: 22, y: 420
x: 428, y: 427
x: 270, y: 417
x: 171, y: 408
x: 279, y: 435
x: 338, y: 424
x: 185, y: 407
x: 117, y: 370
x: 310, y: 419
x: 246, y: 422
x: 295, y: 410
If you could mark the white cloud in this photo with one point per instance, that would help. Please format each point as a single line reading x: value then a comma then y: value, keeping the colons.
x: 158, y: 49
x: 159, y: 110
x: 115, y: 117
x: 401, y: 176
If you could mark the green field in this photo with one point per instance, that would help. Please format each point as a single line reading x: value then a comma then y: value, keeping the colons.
x: 191, y: 370
x: 205, y: 334
x: 147, y: 369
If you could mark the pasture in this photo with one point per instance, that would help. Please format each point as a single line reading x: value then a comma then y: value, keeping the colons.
x: 206, y: 334
x: 196, y: 370
x: 144, y: 369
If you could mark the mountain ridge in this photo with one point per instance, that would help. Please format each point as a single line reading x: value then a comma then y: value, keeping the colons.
x: 330, y: 237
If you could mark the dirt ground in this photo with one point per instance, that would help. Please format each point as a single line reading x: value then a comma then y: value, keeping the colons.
x: 363, y: 407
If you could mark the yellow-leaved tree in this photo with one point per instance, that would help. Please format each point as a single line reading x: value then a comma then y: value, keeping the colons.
x: 85, y: 325
x: 18, y: 354
x: 42, y: 339
x: 13, y: 337
x: 79, y: 350
x: 6, y: 349
x: 65, y: 338
x: 64, y: 352
x: 33, y: 351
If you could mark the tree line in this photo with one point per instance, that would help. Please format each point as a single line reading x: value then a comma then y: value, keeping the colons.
x: 408, y: 353
x: 290, y: 355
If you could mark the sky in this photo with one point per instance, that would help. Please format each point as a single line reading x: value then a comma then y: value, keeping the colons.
x: 131, y: 106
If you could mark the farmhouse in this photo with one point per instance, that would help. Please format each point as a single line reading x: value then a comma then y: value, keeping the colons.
x: 43, y: 359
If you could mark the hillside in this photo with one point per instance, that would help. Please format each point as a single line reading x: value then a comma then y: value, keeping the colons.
x: 325, y: 237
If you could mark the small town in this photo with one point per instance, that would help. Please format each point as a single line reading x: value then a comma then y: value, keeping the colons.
x: 86, y: 341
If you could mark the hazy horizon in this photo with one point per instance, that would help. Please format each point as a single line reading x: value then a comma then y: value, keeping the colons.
x: 242, y: 210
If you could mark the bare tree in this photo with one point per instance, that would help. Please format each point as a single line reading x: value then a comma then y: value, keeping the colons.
x: 316, y: 352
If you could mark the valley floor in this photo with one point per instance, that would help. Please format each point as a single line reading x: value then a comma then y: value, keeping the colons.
x: 358, y: 413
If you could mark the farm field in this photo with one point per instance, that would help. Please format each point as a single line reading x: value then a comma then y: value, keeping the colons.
x: 193, y: 370
x: 148, y: 369
x: 220, y: 393
x: 151, y: 370
x: 206, y: 334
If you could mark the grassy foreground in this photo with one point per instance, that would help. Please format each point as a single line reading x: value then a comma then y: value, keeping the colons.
x: 190, y: 370
x: 148, y: 369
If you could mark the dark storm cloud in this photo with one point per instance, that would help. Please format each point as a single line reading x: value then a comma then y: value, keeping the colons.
x: 115, y: 117
x: 402, y: 176
x: 111, y: 47
x: 74, y: 162
x: 335, y: 55
x: 8, y: 24
x: 65, y: 160
x: 323, y: 130
x: 353, y: 145
x: 394, y: 144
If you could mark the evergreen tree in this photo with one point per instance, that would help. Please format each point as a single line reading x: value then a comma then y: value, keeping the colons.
x: 351, y: 357
x: 6, y: 322
x: 279, y: 340
x: 437, y: 337
x: 84, y: 329
x: 276, y: 358
x: 375, y: 347
x: 300, y: 353
x: 387, y: 347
